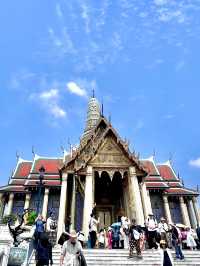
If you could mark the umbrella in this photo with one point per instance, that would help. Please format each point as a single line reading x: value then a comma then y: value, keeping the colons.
x: 116, y: 224
x: 180, y: 225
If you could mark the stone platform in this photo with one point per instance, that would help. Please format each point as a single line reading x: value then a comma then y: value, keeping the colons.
x: 103, y: 257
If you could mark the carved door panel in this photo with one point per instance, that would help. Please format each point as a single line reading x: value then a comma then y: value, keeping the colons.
x: 105, y: 219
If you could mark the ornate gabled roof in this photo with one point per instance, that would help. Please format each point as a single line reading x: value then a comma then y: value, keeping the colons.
x: 22, y: 169
x: 86, y: 152
x: 166, y: 171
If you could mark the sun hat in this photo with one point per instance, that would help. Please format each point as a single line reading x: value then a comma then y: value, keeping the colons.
x: 73, y: 234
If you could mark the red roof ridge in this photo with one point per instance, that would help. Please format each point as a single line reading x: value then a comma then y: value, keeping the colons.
x: 20, y: 160
x: 151, y: 159
x: 168, y: 163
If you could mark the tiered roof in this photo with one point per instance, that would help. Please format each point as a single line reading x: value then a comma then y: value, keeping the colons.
x: 163, y: 177
x: 26, y: 173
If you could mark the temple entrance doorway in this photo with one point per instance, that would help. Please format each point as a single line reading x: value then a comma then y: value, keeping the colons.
x: 109, y: 198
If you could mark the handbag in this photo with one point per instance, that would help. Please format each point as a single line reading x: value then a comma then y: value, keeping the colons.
x: 64, y: 237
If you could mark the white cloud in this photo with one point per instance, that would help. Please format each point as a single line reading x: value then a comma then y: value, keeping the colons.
x: 49, y: 101
x: 57, y: 111
x: 75, y: 89
x: 51, y: 94
x: 195, y: 163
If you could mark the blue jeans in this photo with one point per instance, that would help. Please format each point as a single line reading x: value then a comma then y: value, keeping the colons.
x: 178, y: 250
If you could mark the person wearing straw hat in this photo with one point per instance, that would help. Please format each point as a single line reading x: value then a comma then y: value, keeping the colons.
x: 163, y: 228
x: 71, y: 251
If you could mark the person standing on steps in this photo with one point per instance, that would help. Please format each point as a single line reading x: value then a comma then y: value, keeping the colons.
x: 135, y: 232
x: 176, y: 242
x: 109, y: 237
x: 43, y: 253
x: 93, y: 230
x: 39, y: 228
x: 115, y: 237
x: 163, y: 229
x: 71, y: 251
x: 166, y: 257
x: 152, y: 226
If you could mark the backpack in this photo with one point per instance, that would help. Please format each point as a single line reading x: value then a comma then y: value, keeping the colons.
x: 136, y: 234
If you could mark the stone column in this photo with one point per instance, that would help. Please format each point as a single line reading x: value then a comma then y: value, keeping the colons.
x: 88, y: 200
x: 27, y: 201
x: 196, y: 209
x: 145, y: 200
x: 45, y: 203
x: 192, y: 215
x: 184, y: 212
x: 167, y: 209
x: 10, y: 203
x: 26, y: 206
x: 62, y: 208
x: 139, y: 215
x: 73, y: 203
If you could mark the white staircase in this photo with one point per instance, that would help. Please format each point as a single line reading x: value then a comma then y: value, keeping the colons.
x: 119, y: 257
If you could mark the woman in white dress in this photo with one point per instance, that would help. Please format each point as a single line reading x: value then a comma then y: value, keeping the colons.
x: 191, y: 243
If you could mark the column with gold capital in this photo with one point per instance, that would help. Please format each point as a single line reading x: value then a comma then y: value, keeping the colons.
x: 62, y: 208
x: 136, y: 196
x: 167, y: 209
x: 88, y: 200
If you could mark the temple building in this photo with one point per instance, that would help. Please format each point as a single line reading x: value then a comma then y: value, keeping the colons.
x: 104, y: 171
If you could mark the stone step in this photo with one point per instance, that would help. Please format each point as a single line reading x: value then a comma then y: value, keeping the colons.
x: 103, y: 257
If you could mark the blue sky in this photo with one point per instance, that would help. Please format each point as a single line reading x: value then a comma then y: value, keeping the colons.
x: 142, y: 58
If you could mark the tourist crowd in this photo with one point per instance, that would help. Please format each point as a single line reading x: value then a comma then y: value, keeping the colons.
x: 124, y: 234
x: 152, y: 235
